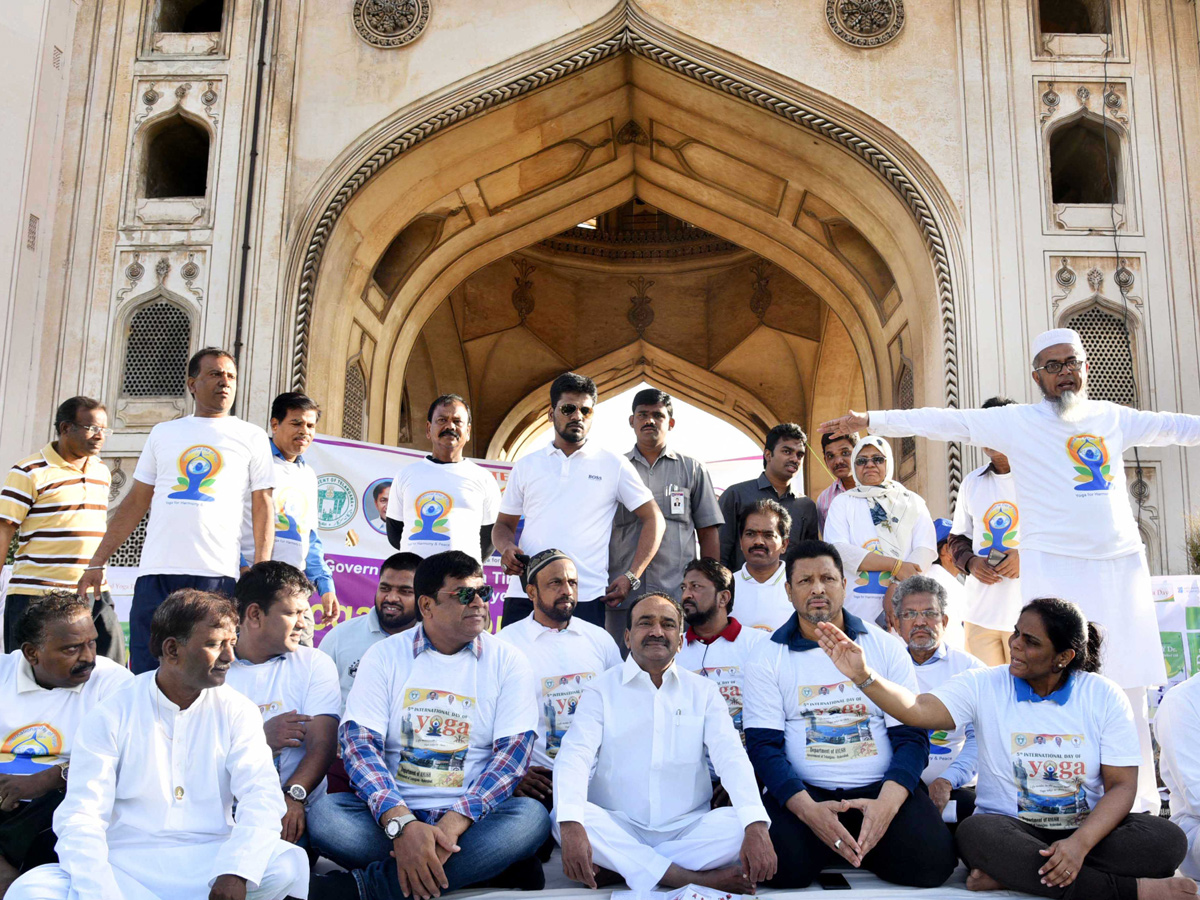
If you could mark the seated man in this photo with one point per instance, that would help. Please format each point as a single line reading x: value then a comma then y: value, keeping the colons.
x: 920, y: 605
x: 172, y: 792
x: 295, y: 687
x: 436, y: 737
x: 565, y: 654
x: 395, y: 610
x: 632, y: 793
x: 841, y: 777
x: 46, y: 687
x: 1177, y: 724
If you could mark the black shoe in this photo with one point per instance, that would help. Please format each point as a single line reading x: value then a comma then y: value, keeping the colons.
x: 523, y: 875
x: 334, y: 886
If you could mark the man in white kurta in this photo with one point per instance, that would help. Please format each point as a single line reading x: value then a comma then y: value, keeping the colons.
x: 1079, y: 538
x: 631, y: 791
x: 149, y: 812
x: 1177, y: 724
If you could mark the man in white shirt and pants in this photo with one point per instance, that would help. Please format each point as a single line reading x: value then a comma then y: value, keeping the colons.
x: 155, y: 774
x: 631, y: 791
x: 1079, y: 539
x: 193, y: 477
x: 1177, y: 724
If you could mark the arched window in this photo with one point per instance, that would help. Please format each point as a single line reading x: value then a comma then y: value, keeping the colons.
x: 175, y: 163
x: 1085, y: 160
x: 189, y: 16
x: 354, y: 409
x: 1110, y: 354
x: 1073, y: 17
x: 156, y: 351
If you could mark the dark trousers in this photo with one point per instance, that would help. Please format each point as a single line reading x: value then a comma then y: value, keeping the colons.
x: 916, y: 850
x: 517, y: 608
x: 148, y: 592
x: 110, y: 638
x: 1141, y: 846
x: 964, y: 800
x: 26, y: 838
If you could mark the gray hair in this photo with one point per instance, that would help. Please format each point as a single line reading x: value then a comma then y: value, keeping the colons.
x: 919, y: 584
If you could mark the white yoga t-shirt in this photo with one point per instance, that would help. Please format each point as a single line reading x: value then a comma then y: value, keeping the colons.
x: 443, y: 505
x: 295, y: 499
x: 763, y: 605
x: 987, y: 513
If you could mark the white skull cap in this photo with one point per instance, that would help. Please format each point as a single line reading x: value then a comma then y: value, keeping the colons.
x: 1057, y: 336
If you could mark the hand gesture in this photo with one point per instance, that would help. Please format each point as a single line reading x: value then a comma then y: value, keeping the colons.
x: 822, y: 819
x: 1066, y: 859
x: 91, y: 580
x: 286, y: 730
x: 980, y: 569
x: 877, y: 813
x: 577, y: 854
x: 1010, y: 566
x: 538, y: 783
x: 228, y: 887
x: 329, y: 607
x: 847, y: 424
x: 758, y: 856
x: 418, y: 867
x: 616, y: 593
x: 845, y: 654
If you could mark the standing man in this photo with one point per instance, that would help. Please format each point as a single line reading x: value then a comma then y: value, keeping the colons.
x: 193, y: 477
x: 55, y: 502
x: 569, y: 493
x: 985, y: 541
x: 782, y: 481
x: 920, y: 605
x: 841, y: 776
x: 1079, y: 539
x: 293, y: 426
x: 838, y: 450
x: 761, y: 584
x: 444, y: 502
x: 294, y: 687
x: 395, y: 610
x: 565, y: 653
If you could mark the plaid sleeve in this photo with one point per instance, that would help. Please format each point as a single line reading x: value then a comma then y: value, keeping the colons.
x: 17, y: 496
x: 362, y: 754
x: 510, y: 759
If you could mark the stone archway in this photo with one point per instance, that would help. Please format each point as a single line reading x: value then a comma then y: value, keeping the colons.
x: 628, y: 110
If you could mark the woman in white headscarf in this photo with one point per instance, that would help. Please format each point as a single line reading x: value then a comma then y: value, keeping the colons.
x: 882, y: 530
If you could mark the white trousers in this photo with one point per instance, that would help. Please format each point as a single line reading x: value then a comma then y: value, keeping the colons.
x: 642, y: 856
x: 1147, y: 786
x: 286, y: 876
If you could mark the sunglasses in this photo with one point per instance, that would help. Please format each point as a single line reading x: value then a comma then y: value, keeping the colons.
x: 465, y: 595
x: 870, y: 461
x: 569, y: 409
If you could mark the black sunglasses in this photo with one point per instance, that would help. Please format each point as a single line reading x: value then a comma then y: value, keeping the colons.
x: 465, y: 595
x: 569, y: 409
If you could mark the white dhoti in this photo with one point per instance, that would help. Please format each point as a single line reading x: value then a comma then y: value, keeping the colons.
x: 172, y: 877
x: 1115, y: 594
x: 642, y: 856
x: 1191, y: 863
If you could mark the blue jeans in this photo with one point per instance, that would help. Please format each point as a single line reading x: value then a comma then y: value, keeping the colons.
x: 343, y: 829
x: 148, y: 592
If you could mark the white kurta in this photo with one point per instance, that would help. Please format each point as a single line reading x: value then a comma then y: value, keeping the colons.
x: 149, y: 805
x: 1178, y: 727
x: 1071, y: 492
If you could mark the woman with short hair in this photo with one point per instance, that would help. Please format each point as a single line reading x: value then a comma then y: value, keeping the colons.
x: 1058, y: 761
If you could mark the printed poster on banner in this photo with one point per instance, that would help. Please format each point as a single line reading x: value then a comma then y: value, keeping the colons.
x: 837, y: 723
x: 1049, y: 774
x: 435, y: 732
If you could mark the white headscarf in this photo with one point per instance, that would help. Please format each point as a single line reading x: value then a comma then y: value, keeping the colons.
x: 895, y: 509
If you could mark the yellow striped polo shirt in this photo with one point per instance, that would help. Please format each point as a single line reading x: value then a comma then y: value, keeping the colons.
x: 61, y: 513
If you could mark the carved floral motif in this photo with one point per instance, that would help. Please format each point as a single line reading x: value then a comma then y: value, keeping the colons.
x: 865, y: 23
x: 390, y: 23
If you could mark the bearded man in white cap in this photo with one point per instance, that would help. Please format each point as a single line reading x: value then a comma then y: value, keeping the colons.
x: 1079, y: 539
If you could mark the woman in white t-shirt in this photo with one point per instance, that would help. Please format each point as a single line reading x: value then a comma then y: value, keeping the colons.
x: 1058, y: 758
x: 882, y: 530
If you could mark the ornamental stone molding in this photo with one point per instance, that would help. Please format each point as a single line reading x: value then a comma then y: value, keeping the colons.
x: 390, y: 23
x: 865, y: 23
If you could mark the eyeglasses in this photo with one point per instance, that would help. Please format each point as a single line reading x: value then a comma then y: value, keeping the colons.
x: 465, y: 595
x: 1071, y: 365
x: 92, y: 430
x: 569, y: 409
x: 929, y: 615
x: 871, y: 461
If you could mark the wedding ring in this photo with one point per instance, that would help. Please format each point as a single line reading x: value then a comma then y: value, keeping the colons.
x: 1068, y: 873
x: 837, y: 845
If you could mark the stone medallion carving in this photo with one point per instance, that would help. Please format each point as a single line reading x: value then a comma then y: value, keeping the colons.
x: 865, y: 23
x: 390, y: 23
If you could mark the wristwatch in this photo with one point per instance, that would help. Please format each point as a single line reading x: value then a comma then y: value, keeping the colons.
x: 395, y: 827
x: 867, y: 682
x: 634, y: 581
x: 297, y: 792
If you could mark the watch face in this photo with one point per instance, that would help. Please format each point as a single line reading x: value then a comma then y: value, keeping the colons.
x: 297, y: 792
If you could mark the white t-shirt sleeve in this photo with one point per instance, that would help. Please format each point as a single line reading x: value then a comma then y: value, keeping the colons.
x: 985, y: 427
x: 960, y: 695
x: 369, y: 703
x: 899, y: 669
x: 1119, y: 745
x: 837, y: 532
x: 762, y: 704
x: 396, y: 504
x: 491, y: 499
x: 262, y: 466
x: 146, y: 470
x: 1158, y: 429
x: 962, y: 523
x: 513, y: 501
x: 324, y: 690
x: 631, y: 491
x: 516, y: 706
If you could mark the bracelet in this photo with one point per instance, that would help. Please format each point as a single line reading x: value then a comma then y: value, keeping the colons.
x: 870, y: 680
x: 93, y: 568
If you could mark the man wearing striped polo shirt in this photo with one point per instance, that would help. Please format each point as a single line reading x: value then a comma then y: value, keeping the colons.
x: 56, y: 502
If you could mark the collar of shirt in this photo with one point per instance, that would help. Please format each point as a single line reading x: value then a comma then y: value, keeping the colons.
x: 789, y: 632
x: 584, y: 450
x: 275, y: 451
x: 239, y: 661
x: 729, y: 632
x: 635, y: 455
x: 422, y: 643
x: 27, y: 683
x: 939, y: 653
x: 373, y: 625
x: 571, y: 626
x: 1025, y: 692
x: 53, y: 457
x: 631, y: 670
x: 764, y: 484
x: 744, y: 571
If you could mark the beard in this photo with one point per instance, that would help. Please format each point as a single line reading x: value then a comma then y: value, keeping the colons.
x: 922, y: 642
x: 699, y: 617
x: 1069, y: 405
x: 817, y: 618
x: 555, y: 613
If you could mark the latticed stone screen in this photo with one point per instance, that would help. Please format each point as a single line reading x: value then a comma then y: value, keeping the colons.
x: 156, y: 354
x: 905, y: 397
x: 356, y: 401
x: 130, y: 552
x: 1110, y: 355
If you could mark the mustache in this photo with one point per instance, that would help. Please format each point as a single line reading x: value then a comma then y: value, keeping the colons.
x: 83, y: 667
x: 761, y: 547
x: 448, y: 432
x: 655, y: 640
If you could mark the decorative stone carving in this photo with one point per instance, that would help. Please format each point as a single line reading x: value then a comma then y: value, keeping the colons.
x: 865, y: 23
x: 633, y: 133
x: 1107, y: 278
x: 760, y: 300
x: 390, y: 23
x: 640, y: 314
x: 522, y: 296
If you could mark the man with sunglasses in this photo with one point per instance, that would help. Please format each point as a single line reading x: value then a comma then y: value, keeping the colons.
x: 568, y: 494
x: 1079, y: 538
x: 436, y: 736
x: 56, y: 501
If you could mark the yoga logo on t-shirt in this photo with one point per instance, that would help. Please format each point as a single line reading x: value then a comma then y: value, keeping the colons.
x: 1000, y: 528
x: 435, y: 733
x: 38, y: 739
x: 1090, y: 456
x: 291, y: 507
x: 872, y: 582
x: 433, y: 514
x: 198, y: 468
